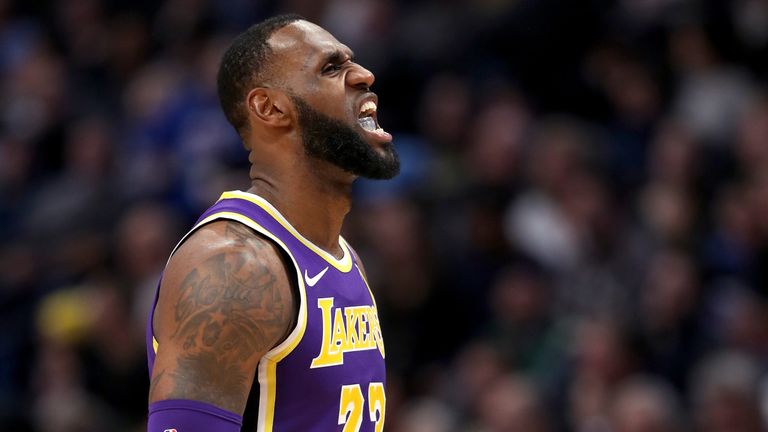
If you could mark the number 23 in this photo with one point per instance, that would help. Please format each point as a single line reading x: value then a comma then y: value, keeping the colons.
x: 351, y: 406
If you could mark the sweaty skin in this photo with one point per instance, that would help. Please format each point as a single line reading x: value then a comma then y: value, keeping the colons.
x: 226, y: 296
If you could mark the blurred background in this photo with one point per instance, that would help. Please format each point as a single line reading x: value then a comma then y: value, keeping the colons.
x: 578, y: 240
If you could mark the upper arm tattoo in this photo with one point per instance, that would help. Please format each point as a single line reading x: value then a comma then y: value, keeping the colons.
x: 229, y: 309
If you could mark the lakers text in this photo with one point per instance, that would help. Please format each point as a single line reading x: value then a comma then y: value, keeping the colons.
x: 353, y: 328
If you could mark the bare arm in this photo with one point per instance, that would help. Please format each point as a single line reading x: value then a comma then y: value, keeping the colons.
x: 225, y: 300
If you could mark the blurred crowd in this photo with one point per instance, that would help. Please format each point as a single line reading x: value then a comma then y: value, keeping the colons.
x: 578, y: 241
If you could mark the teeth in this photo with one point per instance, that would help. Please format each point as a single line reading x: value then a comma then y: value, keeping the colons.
x: 367, y: 123
x: 368, y: 107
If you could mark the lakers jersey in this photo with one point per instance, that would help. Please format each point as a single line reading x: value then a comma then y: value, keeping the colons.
x: 328, y: 374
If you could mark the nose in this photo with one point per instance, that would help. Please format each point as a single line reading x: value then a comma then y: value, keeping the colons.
x: 360, y: 77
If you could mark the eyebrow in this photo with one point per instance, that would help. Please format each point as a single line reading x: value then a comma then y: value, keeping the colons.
x: 338, y: 56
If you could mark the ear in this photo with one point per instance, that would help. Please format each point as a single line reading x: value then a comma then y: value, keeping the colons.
x: 269, y: 106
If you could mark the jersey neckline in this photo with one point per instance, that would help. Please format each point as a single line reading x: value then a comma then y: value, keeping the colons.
x: 343, y: 264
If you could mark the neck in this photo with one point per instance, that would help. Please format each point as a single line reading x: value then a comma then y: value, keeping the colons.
x: 315, y: 206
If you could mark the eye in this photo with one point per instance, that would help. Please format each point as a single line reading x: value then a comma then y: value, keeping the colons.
x: 331, y: 67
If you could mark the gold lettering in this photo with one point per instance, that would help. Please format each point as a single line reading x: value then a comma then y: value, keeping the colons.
x: 376, y: 331
x: 352, y: 328
x: 339, y: 341
x: 330, y: 354
x: 362, y: 327
x: 353, y: 339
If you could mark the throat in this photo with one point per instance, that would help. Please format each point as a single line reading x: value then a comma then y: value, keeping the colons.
x: 315, y: 209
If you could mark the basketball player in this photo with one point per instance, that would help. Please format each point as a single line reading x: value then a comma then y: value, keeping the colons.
x: 264, y: 311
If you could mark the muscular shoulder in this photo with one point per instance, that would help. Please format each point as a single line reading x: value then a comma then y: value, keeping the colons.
x: 222, y: 237
x: 225, y: 300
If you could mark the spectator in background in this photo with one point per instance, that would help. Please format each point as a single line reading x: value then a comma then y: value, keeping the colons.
x: 669, y: 316
x: 511, y: 404
x: 523, y: 326
x: 711, y: 96
x: 646, y: 404
x: 725, y: 394
x: 603, y: 357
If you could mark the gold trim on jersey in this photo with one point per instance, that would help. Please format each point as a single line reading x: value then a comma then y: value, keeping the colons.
x: 344, y: 264
x: 267, y: 370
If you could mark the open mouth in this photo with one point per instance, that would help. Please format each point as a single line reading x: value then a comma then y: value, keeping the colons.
x: 367, y: 116
x: 369, y: 123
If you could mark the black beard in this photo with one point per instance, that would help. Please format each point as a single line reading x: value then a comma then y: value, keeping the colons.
x: 331, y: 140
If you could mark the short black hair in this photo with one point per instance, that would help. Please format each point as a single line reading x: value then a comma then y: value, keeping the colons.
x: 245, y: 64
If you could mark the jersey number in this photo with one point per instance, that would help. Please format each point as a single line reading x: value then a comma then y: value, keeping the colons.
x: 351, y: 406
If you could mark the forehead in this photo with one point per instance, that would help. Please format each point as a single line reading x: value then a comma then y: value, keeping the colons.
x: 303, y: 42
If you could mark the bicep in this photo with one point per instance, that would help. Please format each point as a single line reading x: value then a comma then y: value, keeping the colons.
x: 221, y: 308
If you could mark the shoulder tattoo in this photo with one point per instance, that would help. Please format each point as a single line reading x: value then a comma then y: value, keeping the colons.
x: 229, y: 309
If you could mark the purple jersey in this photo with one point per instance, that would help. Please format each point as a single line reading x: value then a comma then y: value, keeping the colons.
x: 329, y: 373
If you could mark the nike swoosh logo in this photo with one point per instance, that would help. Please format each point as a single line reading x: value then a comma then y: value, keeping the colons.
x: 312, y: 281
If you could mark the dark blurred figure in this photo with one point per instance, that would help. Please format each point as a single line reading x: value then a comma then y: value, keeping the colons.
x: 511, y: 404
x: 522, y: 326
x: 725, y: 394
x: 670, y: 319
x: 646, y: 404
x: 603, y: 356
